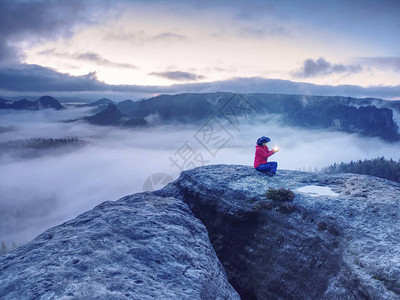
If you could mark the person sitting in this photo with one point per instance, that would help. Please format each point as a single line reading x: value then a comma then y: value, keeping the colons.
x: 261, y: 157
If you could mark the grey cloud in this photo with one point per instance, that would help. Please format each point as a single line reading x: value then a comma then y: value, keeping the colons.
x: 178, y: 75
x: 168, y: 36
x: 34, y: 78
x: 8, y: 55
x: 94, y: 57
x: 136, y: 37
x: 35, y: 21
x: 26, y: 77
x: 140, y: 37
x: 278, y: 86
x: 263, y: 32
x: 321, y: 67
x: 89, y: 56
x: 382, y: 62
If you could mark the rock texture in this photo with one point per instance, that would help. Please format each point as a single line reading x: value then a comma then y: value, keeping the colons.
x: 151, y: 246
x: 139, y: 247
x: 344, y: 247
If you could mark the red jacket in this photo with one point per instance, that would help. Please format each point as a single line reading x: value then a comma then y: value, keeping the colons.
x: 262, y: 154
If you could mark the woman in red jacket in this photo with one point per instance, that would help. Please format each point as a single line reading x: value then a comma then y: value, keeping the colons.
x: 261, y: 158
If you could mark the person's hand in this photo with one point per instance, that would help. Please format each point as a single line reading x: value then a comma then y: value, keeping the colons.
x: 276, y: 149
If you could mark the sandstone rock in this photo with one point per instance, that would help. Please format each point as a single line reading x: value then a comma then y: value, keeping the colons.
x: 139, y: 247
x: 343, y: 247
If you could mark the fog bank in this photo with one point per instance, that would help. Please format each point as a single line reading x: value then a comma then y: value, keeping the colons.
x: 57, y: 185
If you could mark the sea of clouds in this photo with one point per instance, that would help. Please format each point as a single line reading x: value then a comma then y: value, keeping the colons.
x: 53, y: 186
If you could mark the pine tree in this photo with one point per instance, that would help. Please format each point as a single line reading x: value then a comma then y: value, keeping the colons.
x: 3, y: 249
x: 379, y: 167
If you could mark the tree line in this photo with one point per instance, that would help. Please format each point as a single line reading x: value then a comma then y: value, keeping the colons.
x: 39, y: 143
x: 379, y: 167
x: 4, y: 249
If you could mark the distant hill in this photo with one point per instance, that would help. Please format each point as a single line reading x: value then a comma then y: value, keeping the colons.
x: 127, y: 106
x: 100, y: 102
x: 98, y: 105
x: 48, y: 102
x: 368, y: 116
x: 112, y: 116
x: 43, y: 102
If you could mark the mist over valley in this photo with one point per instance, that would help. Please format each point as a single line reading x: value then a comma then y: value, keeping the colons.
x: 56, y: 164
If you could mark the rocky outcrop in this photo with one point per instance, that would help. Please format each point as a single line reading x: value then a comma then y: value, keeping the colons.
x: 98, y: 105
x: 343, y: 247
x: 139, y: 247
x: 112, y: 116
x: 43, y: 102
x: 100, y: 102
x: 367, y: 117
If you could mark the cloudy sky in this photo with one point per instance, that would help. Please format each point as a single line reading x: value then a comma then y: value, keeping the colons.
x: 133, y: 49
x: 137, y: 47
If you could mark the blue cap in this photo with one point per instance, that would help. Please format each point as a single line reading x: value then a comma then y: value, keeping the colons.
x: 263, y: 140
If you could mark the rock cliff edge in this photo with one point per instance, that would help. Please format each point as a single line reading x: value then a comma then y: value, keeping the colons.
x: 339, y: 245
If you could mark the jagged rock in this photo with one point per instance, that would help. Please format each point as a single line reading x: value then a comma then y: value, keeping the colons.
x: 139, y: 247
x: 343, y: 247
x: 127, y: 106
x: 100, y: 102
x: 109, y: 116
x: 368, y: 116
x: 43, y: 102
x: 150, y: 246
x: 112, y: 116
x: 98, y: 105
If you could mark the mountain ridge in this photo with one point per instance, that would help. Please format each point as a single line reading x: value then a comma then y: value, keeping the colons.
x: 43, y: 102
x: 368, y: 117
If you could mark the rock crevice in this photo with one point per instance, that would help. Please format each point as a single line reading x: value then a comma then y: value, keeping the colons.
x: 328, y: 248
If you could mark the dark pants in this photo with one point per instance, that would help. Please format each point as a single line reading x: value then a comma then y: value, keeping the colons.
x: 269, y: 167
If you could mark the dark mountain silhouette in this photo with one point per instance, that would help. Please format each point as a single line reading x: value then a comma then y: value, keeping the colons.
x: 112, y: 116
x: 3, y: 105
x: 127, y: 106
x: 43, y: 102
x: 101, y: 102
x: 49, y: 102
x: 109, y: 116
x: 98, y: 105
x: 368, y: 116
x: 23, y: 104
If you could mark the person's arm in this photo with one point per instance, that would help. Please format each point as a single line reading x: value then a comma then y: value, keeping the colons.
x: 267, y: 153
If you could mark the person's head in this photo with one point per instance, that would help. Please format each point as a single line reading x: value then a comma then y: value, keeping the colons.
x: 262, y: 141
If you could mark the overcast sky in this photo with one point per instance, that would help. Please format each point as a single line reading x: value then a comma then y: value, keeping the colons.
x: 129, y: 49
x: 172, y: 46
